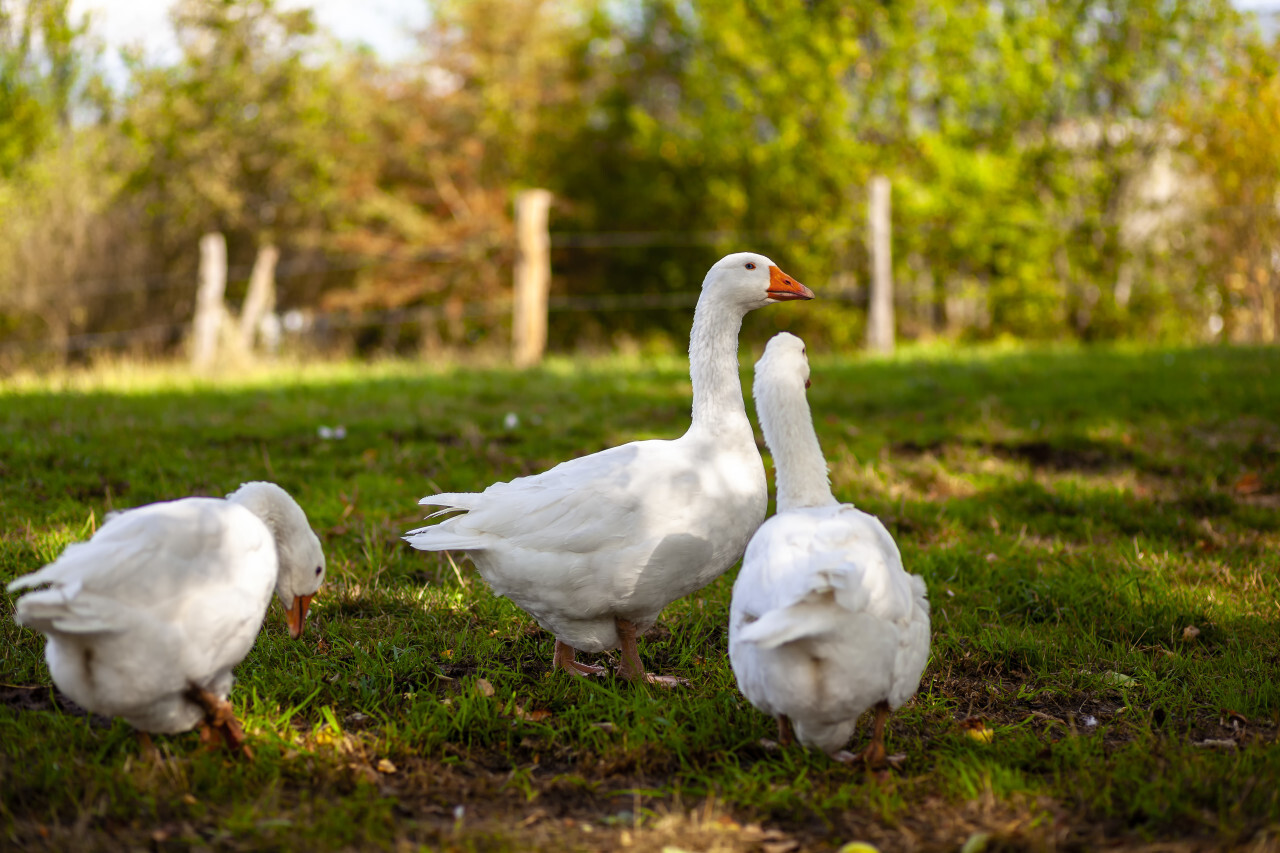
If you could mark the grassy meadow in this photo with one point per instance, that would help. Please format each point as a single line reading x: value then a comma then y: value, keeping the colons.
x: 1099, y: 530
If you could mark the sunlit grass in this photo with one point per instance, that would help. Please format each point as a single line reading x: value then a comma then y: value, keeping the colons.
x: 1073, y: 511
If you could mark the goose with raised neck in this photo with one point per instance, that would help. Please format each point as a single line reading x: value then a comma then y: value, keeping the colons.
x: 801, y: 475
x: 824, y: 622
x: 597, y: 546
x: 146, y: 620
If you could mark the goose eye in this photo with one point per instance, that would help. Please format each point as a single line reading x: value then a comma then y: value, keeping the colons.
x: 319, y: 569
x: 750, y: 265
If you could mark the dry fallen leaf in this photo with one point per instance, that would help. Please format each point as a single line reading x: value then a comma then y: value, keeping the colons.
x: 1248, y: 484
x: 1190, y: 632
x: 483, y: 685
x: 385, y: 766
x: 531, y: 716
x: 1234, y: 719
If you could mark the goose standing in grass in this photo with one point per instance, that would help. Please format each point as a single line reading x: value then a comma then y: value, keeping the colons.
x: 825, y: 623
x: 146, y: 619
x: 595, y: 547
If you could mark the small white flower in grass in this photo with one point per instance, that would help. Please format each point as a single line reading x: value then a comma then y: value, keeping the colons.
x: 1090, y: 720
x: 332, y: 433
x: 511, y: 421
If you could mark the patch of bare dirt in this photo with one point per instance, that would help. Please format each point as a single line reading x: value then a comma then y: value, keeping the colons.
x: 43, y: 697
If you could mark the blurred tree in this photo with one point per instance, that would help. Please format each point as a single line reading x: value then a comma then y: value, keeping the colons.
x: 55, y: 177
x: 1040, y: 188
x: 1025, y: 127
x: 1013, y: 133
x: 727, y: 116
x: 246, y: 134
x: 454, y: 133
x: 43, y: 64
x: 1232, y: 129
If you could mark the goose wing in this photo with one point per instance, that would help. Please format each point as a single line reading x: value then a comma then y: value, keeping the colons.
x: 152, y: 558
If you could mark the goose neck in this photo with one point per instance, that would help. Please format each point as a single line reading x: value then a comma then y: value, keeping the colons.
x: 713, y: 367
x: 801, y: 470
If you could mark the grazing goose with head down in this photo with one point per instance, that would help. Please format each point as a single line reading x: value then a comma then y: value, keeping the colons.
x: 825, y: 622
x: 146, y: 620
x: 595, y: 547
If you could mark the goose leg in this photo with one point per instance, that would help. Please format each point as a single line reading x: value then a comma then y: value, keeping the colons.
x: 563, y: 659
x: 148, y: 748
x: 785, y: 737
x: 873, y: 755
x: 631, y: 667
x: 219, y: 720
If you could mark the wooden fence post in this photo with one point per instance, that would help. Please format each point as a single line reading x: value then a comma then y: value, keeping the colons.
x: 880, y: 304
x: 532, y: 277
x: 261, y: 297
x: 209, y: 306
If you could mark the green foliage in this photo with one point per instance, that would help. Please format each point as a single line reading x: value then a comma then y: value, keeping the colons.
x: 1232, y: 131
x: 1059, y: 169
x: 43, y: 64
x: 242, y: 133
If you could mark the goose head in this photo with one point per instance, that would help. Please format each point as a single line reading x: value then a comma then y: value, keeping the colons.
x: 784, y: 366
x: 298, y: 551
x: 751, y: 281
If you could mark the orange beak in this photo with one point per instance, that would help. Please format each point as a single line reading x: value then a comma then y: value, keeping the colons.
x: 296, y: 615
x: 783, y: 288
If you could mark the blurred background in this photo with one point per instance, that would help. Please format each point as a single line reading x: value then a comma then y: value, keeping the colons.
x: 1058, y: 170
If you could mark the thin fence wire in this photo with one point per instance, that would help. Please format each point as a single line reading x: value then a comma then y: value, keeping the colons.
x: 156, y: 282
x: 324, y: 321
x: 288, y: 269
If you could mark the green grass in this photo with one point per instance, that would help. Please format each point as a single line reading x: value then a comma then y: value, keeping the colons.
x: 1072, y: 511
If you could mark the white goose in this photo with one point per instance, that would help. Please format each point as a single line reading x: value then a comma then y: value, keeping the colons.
x: 146, y: 619
x: 825, y: 623
x: 595, y: 547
